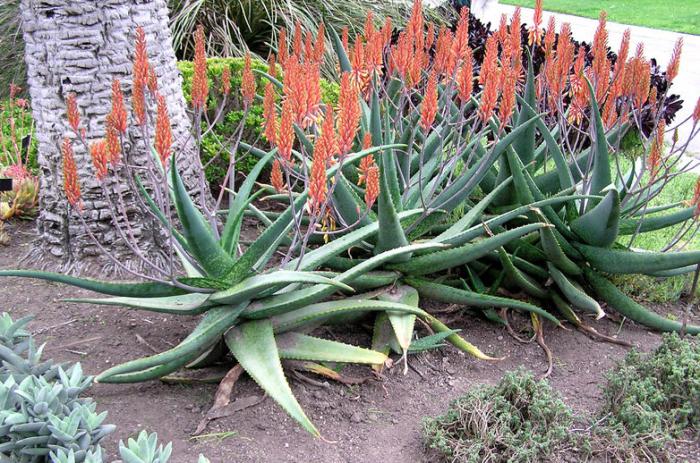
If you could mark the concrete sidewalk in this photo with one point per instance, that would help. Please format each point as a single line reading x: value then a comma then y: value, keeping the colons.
x: 657, y: 44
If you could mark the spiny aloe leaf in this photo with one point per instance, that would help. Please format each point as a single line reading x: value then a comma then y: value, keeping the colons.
x: 521, y: 279
x: 232, y: 228
x: 297, y: 346
x: 251, y: 286
x: 202, y: 243
x: 146, y: 289
x: 402, y: 324
x: 155, y: 372
x: 292, y: 300
x: 212, y: 326
x: 619, y: 261
x: 630, y: 309
x: 600, y: 177
x: 599, y: 226
x: 253, y: 345
x: 657, y: 222
x: 450, y: 295
x: 345, y: 65
x: 185, y: 304
x: 573, y: 294
x: 441, y: 260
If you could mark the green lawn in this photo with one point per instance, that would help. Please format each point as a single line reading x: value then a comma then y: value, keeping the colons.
x: 673, y: 15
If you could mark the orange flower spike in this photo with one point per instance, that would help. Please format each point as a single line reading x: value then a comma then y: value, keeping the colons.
x: 200, y: 83
x: 655, y: 155
x: 514, y: 44
x: 346, y: 39
x: 276, y: 177
x: 308, y: 47
x: 138, y: 102
x: 367, y: 142
x: 696, y: 198
x: 369, y: 29
x: 112, y: 141
x: 505, y: 111
x: 502, y: 31
x: 490, y: 62
x: 445, y: 60
x: 282, y: 50
x: 226, y: 81
x: 140, y: 68
x: 535, y: 35
x: 296, y: 41
x: 465, y: 77
x: 270, y: 114
x: 318, y: 189
x: 550, y: 36
x: 272, y: 65
x: 286, y: 136
x: 372, y: 187
x: 98, y: 153
x: 312, y: 81
x: 429, y: 105
x: 320, y: 47
x: 416, y: 23
x: 387, y: 30
x: 349, y: 114
x: 247, y: 83
x: 70, y: 175
x: 461, y: 38
x: 696, y: 112
x: 72, y: 112
x: 675, y: 62
x: 119, y: 118
x: 430, y: 36
x: 164, y: 137
x: 489, y: 99
x: 327, y: 141
x: 152, y: 80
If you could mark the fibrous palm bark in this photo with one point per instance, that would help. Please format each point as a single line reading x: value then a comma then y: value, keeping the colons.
x: 80, y: 47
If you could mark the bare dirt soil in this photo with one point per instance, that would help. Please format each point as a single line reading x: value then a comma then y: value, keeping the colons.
x: 378, y: 421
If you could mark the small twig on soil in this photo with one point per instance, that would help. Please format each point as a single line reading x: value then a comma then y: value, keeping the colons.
x: 77, y: 352
x: 44, y: 330
x: 145, y: 343
x: 82, y: 341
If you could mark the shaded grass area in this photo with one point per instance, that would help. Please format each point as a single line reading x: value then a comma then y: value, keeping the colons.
x: 679, y: 15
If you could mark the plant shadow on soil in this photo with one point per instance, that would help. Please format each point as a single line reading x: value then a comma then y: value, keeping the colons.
x: 378, y: 421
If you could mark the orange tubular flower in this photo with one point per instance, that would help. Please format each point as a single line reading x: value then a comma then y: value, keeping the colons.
x: 72, y: 112
x: 675, y: 62
x: 657, y: 145
x: 298, y: 37
x: 348, y: 114
x: 372, y: 187
x: 696, y: 112
x: 550, y: 36
x: 270, y: 114
x: 490, y: 63
x: 327, y: 141
x: 286, y: 136
x: 465, y: 77
x: 276, y: 177
x: 118, y: 112
x: 601, y: 64
x: 272, y: 65
x: 308, y: 47
x: 429, y: 105
x: 163, y: 139
x: 112, y: 141
x: 367, y: 143
x: 70, y: 175
x: 152, y: 80
x: 535, y: 35
x: 226, y: 81
x: 247, y: 83
x: 445, y: 60
x: 140, y: 77
x: 505, y: 111
x: 320, y: 47
x: 282, y: 50
x: 345, y: 38
x: 318, y: 189
x: 387, y: 30
x: 514, y: 44
x: 98, y: 153
x: 696, y: 198
x: 461, y: 41
x: 200, y: 83
x: 416, y: 22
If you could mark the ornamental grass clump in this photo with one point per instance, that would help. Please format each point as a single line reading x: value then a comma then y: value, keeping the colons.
x: 428, y: 178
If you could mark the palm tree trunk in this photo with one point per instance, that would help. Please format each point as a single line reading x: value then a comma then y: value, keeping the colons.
x: 80, y: 47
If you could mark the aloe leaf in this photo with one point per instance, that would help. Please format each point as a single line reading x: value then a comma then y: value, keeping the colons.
x: 402, y: 324
x: 145, y: 289
x: 657, y: 222
x: 383, y: 337
x: 253, y: 345
x: 212, y: 326
x: 349, y: 205
x: 345, y: 65
x: 521, y: 279
x: 441, y: 260
x: 450, y: 295
x: 155, y: 372
x: 202, y: 243
x: 251, y: 286
x: 524, y: 144
x: 599, y: 226
x: 185, y: 304
x: 617, y: 261
x: 600, y: 177
x: 631, y: 309
x: 575, y: 295
x: 297, y: 346
x: 232, y: 227
x: 293, y: 300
